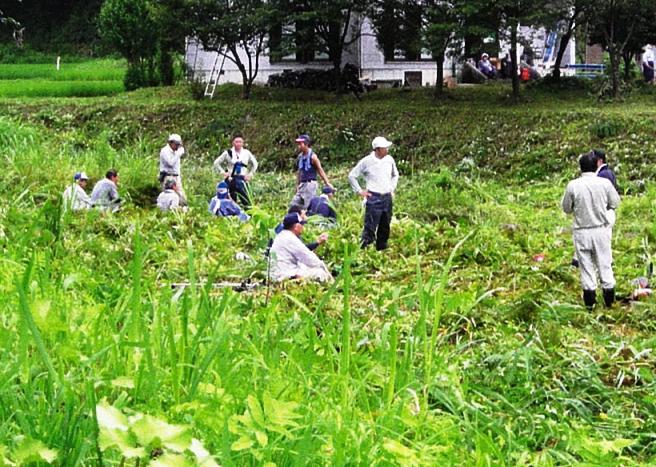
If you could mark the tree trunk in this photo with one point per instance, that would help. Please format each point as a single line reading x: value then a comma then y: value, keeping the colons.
x: 614, y: 71
x: 628, y: 59
x: 513, y: 60
x: 564, y: 41
x: 439, y: 81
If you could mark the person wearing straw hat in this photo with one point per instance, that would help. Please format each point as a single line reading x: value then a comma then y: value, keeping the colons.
x: 379, y: 171
x: 75, y: 197
x: 169, y: 162
x: 309, y: 167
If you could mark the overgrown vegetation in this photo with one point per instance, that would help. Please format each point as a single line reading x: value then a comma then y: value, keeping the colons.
x: 455, y: 347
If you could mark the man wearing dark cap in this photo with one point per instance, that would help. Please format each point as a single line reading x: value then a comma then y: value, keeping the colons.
x: 292, y: 259
x: 322, y: 205
x: 589, y: 198
x: 309, y: 167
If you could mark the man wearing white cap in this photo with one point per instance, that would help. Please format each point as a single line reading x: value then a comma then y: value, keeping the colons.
x: 381, y: 176
x: 169, y: 162
x: 74, y: 196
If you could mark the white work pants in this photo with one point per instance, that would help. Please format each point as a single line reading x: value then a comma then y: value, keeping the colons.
x: 595, y: 257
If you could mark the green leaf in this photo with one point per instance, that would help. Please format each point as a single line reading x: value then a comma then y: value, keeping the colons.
x: 203, y: 457
x: 110, y: 417
x: 171, y: 460
x: 262, y: 438
x: 31, y: 450
x: 149, y: 430
x: 123, y: 382
x: 242, y: 443
x: 255, y: 410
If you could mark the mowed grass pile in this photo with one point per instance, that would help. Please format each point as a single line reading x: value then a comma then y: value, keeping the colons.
x: 86, y: 79
x: 454, y: 347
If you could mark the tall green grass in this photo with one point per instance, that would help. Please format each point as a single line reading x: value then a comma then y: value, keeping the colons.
x: 48, y: 88
x: 95, y: 70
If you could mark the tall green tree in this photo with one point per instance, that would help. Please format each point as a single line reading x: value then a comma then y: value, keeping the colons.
x: 238, y: 28
x: 620, y: 26
x: 442, y: 25
x: 127, y: 26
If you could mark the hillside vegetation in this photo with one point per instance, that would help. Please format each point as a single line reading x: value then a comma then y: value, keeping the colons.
x: 463, y: 344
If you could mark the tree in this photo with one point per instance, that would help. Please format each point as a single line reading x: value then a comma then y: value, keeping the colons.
x: 337, y: 25
x: 126, y: 25
x: 166, y: 15
x: 619, y: 25
x: 237, y: 28
x: 442, y: 22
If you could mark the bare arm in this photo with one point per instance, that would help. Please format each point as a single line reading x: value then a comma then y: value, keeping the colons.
x: 317, y: 165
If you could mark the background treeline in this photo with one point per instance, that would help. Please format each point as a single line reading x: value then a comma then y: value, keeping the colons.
x: 149, y: 33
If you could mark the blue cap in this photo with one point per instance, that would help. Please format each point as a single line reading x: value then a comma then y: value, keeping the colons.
x: 327, y: 190
x: 222, y: 190
x: 290, y: 220
x: 304, y: 138
x: 80, y: 176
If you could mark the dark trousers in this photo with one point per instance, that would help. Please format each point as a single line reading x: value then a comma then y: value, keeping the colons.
x: 239, y: 191
x: 377, y: 218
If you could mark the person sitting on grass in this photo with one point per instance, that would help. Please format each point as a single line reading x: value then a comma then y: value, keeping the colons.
x: 303, y: 219
x: 486, y: 67
x: 170, y: 199
x: 222, y: 205
x: 322, y: 205
x: 75, y: 197
x: 292, y: 259
x: 105, y: 193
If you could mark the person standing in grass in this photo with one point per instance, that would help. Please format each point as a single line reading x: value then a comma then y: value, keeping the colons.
x: 309, y: 166
x: 169, y: 162
x: 292, y: 259
x: 589, y: 198
x: 238, y: 166
x: 75, y: 197
x: 381, y: 176
x: 105, y: 192
x: 170, y: 199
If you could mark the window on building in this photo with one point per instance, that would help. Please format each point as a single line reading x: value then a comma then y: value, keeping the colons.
x: 295, y: 41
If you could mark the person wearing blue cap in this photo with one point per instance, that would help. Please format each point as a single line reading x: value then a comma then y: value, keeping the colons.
x: 322, y: 205
x: 222, y: 205
x: 292, y: 259
x: 309, y: 166
x: 75, y: 197
x: 381, y: 176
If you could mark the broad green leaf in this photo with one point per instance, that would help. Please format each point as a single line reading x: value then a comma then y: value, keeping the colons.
x: 110, y: 417
x: 242, y: 443
x: 398, y: 450
x: 615, y: 445
x: 32, y: 450
x: 149, y: 429
x: 121, y: 440
x: 280, y: 414
x: 203, y: 457
x: 171, y: 460
x: 262, y: 438
x: 256, y: 410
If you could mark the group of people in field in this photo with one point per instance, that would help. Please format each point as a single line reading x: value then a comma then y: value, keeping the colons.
x: 592, y: 199
x: 291, y: 258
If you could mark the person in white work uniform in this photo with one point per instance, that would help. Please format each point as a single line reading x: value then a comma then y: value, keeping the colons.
x: 590, y: 198
x: 292, y: 259
x: 169, y: 162
x: 237, y: 165
x: 75, y: 197
x: 381, y: 177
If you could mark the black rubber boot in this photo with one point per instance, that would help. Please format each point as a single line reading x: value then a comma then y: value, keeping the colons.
x: 609, y: 297
x: 589, y: 298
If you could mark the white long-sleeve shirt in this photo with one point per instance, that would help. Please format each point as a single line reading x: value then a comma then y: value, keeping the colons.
x: 589, y: 198
x: 76, y: 198
x: 169, y: 160
x: 105, y: 193
x: 292, y: 257
x: 225, y: 163
x: 168, y: 200
x: 380, y: 175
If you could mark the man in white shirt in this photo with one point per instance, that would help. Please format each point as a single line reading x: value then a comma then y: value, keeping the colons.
x: 292, y: 259
x: 648, y: 64
x: 170, y: 199
x: 589, y: 198
x: 169, y: 162
x: 75, y: 197
x: 237, y: 165
x: 381, y: 176
x: 105, y: 192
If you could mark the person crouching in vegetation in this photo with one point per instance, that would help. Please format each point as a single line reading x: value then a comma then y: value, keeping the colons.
x: 237, y: 165
x: 222, y: 206
x: 170, y: 198
x: 589, y: 198
x: 381, y: 176
x: 105, y: 192
x: 322, y: 205
x: 75, y: 197
x: 169, y: 162
x: 309, y: 166
x: 292, y: 259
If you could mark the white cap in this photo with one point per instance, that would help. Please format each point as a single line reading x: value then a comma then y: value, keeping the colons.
x: 175, y: 138
x: 380, y: 142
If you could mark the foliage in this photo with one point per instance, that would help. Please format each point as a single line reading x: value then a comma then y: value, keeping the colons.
x: 314, y: 79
